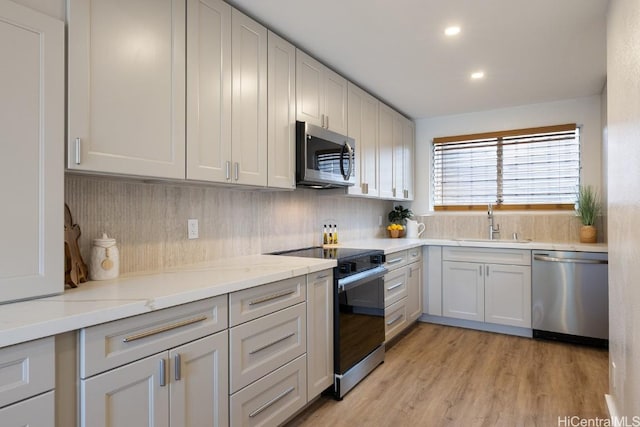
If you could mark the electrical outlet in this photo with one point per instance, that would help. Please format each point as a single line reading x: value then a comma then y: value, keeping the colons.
x: 192, y: 228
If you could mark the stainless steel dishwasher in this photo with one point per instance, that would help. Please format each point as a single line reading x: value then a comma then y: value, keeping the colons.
x: 570, y: 297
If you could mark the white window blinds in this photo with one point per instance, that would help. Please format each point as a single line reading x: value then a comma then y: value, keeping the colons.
x: 522, y: 169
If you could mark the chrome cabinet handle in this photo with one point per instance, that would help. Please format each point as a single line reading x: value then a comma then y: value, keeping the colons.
x: 480, y: 270
x: 162, y: 372
x: 78, y: 152
x: 227, y: 172
x: 236, y: 170
x: 177, y: 366
x: 322, y: 276
x: 259, y: 349
x: 395, y: 319
x: 394, y: 261
x: 326, y: 123
x: 570, y: 260
x: 397, y: 285
x: 165, y: 328
x: 271, y: 402
x: 486, y: 267
x: 271, y: 297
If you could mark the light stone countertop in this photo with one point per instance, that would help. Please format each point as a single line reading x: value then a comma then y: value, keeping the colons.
x: 393, y: 245
x: 96, y: 302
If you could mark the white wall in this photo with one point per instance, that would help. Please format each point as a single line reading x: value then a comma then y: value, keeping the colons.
x: 623, y: 135
x: 583, y: 111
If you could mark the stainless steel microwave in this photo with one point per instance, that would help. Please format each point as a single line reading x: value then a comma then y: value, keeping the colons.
x: 325, y: 159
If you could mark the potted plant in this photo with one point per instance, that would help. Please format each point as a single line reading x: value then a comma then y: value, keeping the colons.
x: 398, y: 219
x: 588, y: 209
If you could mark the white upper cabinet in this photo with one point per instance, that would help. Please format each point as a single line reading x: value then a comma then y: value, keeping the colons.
x: 281, y: 130
x: 409, y: 141
x: 321, y: 94
x: 385, y: 143
x: 208, y: 90
x: 363, y: 128
x: 126, y: 91
x: 32, y: 135
x: 249, y: 100
x: 226, y: 95
x: 396, y: 142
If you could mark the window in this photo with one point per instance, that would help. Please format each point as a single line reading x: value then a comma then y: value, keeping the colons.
x: 536, y: 168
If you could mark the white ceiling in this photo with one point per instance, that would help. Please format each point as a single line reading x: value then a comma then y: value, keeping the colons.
x: 531, y: 51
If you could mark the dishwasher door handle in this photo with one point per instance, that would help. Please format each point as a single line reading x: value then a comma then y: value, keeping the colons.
x: 570, y: 260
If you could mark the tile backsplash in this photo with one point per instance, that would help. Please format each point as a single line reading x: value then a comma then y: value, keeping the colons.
x: 554, y: 227
x: 149, y: 219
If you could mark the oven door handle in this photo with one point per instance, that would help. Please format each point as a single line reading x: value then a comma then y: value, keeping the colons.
x: 359, y: 279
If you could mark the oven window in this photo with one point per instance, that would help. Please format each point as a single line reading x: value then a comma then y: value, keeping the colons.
x: 360, y: 323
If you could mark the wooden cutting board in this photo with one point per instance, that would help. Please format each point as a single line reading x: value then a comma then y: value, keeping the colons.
x: 75, y: 270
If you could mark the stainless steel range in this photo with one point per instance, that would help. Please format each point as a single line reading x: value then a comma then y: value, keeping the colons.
x: 358, y: 312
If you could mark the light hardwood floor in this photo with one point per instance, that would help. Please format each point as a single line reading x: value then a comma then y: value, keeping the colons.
x: 444, y: 376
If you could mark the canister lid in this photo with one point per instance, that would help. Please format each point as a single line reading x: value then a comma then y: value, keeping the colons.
x: 105, y: 241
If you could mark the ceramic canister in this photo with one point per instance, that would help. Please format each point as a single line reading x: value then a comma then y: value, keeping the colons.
x: 105, y: 259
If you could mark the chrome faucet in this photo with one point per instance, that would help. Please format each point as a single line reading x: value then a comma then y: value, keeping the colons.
x: 492, y: 230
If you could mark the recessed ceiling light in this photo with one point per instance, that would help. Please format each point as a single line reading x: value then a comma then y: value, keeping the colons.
x: 477, y: 75
x: 452, y: 31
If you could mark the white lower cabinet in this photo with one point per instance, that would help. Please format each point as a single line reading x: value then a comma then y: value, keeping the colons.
x: 494, y: 288
x: 27, y: 380
x: 186, y: 386
x: 319, y: 332
x: 35, y: 412
x: 174, y: 371
x: 402, y: 290
x: 272, y: 399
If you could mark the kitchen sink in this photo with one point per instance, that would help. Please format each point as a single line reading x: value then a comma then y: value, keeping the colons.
x: 494, y: 240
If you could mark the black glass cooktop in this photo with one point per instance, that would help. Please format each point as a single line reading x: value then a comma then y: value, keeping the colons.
x: 328, y: 253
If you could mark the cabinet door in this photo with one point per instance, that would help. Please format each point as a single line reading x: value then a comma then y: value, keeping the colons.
x: 209, y: 90
x: 249, y: 100
x: 463, y: 290
x: 414, y: 291
x: 363, y: 128
x: 385, y: 144
x: 398, y: 156
x: 282, y: 113
x: 335, y: 102
x: 38, y: 411
x: 408, y: 140
x: 199, y: 382
x: 309, y: 89
x: 508, y: 295
x: 131, y: 395
x: 126, y: 74
x: 319, y: 332
x: 31, y: 131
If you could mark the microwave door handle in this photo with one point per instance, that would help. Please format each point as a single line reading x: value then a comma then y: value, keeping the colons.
x: 346, y: 147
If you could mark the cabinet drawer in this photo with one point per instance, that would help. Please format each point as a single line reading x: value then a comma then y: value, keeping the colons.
x: 116, y: 343
x: 395, y: 319
x: 414, y: 255
x: 396, y: 260
x: 26, y: 369
x: 38, y: 411
x: 395, y: 286
x: 255, y: 302
x: 273, y: 399
x: 486, y: 255
x: 262, y: 345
